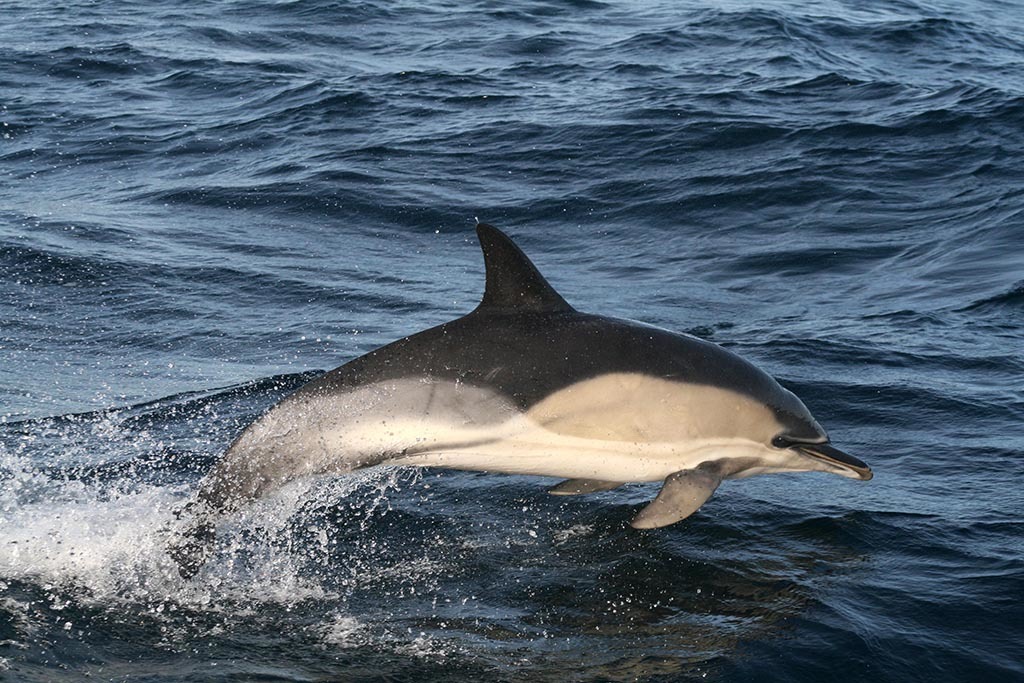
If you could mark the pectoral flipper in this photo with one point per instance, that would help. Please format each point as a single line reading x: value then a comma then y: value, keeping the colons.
x: 682, y: 495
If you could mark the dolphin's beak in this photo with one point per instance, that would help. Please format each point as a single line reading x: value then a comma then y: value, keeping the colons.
x: 828, y: 453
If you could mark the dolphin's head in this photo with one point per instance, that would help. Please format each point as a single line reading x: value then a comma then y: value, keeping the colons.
x: 801, y: 434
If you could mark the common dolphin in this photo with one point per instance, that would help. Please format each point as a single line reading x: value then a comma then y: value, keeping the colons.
x: 527, y: 384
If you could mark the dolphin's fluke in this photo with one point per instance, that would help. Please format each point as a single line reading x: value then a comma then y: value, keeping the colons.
x: 575, y: 487
x: 682, y: 495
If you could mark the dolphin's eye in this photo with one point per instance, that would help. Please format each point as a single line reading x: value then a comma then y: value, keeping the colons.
x: 781, y: 441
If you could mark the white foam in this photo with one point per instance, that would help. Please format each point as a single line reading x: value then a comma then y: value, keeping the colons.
x: 344, y: 631
x: 106, y: 543
x: 561, y: 536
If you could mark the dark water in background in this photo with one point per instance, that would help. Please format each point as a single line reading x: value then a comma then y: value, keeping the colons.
x: 203, y: 205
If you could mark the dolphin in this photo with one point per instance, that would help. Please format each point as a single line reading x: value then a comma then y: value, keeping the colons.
x: 527, y: 384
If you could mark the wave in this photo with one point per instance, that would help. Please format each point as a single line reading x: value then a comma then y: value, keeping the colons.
x: 1009, y: 300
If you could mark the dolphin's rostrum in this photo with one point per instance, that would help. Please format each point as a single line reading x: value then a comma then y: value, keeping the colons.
x: 527, y: 384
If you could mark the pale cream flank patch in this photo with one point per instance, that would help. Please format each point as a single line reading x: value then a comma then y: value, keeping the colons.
x: 639, y: 408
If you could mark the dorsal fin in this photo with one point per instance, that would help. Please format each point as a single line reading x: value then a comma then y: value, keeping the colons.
x: 513, y: 282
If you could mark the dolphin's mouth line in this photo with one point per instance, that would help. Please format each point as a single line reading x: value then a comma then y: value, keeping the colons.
x: 826, y: 452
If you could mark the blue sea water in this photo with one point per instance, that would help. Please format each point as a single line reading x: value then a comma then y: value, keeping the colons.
x: 203, y: 205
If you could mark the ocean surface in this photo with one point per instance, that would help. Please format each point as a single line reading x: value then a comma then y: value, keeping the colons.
x: 205, y: 204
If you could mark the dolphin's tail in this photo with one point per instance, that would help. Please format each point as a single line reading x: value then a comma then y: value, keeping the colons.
x: 192, y: 543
